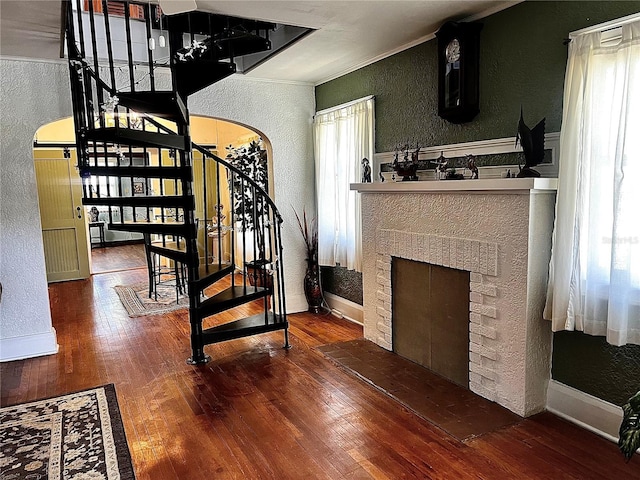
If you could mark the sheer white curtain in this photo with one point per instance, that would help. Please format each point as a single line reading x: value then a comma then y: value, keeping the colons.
x: 343, y: 137
x: 594, y: 274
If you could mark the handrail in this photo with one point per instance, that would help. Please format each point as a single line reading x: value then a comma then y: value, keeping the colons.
x: 248, y: 179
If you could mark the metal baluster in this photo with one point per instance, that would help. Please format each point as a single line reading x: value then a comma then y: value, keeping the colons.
x: 127, y: 26
x: 112, y: 72
x: 233, y: 230
x: 205, y: 210
x: 149, y: 51
x: 96, y: 65
x: 244, y: 232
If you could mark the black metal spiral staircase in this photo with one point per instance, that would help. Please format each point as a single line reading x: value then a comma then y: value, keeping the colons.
x: 120, y: 115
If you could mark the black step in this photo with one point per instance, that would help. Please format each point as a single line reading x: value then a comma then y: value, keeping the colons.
x: 168, y: 201
x: 193, y: 76
x: 210, y: 273
x: 165, y: 104
x: 167, y: 228
x: 203, y: 23
x: 138, y: 138
x: 260, y: 323
x: 238, y: 43
x: 231, y: 297
x: 171, y: 250
x: 179, y: 173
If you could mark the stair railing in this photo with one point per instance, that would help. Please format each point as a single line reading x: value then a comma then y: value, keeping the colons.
x: 107, y: 128
x: 261, y: 220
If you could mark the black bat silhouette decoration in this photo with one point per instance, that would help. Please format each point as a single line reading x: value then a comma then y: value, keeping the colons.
x: 532, y: 141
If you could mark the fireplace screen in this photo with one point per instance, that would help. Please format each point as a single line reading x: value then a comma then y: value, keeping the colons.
x: 431, y: 317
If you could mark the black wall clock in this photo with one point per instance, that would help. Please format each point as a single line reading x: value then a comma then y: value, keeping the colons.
x: 458, y: 71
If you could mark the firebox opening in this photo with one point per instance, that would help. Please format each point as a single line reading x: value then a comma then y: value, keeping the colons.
x: 431, y: 317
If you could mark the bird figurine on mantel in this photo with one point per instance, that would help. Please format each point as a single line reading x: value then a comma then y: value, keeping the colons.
x: 532, y: 141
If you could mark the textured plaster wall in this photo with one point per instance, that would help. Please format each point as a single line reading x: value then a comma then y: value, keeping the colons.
x: 520, y: 383
x: 34, y: 93
x: 31, y: 94
x: 283, y: 113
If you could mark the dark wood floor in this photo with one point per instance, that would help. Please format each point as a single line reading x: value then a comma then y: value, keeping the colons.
x: 258, y: 411
x: 118, y: 257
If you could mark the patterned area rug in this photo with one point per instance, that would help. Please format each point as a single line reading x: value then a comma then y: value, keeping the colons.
x: 79, y: 436
x: 135, y: 299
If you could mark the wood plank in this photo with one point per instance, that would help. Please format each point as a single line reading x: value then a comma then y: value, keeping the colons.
x: 259, y: 411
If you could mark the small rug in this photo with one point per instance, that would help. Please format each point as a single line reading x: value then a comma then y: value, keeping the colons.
x: 135, y: 299
x: 79, y: 436
x: 455, y: 409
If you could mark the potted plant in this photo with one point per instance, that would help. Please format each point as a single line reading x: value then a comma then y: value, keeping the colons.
x: 249, y: 214
x: 629, y: 441
x: 312, y: 288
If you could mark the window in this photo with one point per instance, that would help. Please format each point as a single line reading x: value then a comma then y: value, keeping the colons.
x: 343, y: 138
x: 594, y: 274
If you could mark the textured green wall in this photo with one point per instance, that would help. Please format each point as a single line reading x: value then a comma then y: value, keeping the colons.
x: 590, y: 364
x: 522, y: 62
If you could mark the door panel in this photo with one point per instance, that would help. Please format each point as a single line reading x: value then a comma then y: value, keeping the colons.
x: 64, y: 230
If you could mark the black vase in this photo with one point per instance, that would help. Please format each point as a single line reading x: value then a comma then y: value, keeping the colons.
x: 312, y: 289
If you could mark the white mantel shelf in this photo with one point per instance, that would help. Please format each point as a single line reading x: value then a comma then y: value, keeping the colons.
x: 493, y: 185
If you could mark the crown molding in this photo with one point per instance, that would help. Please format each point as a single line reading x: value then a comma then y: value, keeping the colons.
x: 413, y: 43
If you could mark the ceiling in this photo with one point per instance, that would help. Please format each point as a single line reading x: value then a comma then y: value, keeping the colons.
x: 348, y: 34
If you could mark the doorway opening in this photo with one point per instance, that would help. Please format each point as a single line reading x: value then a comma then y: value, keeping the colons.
x: 77, y: 238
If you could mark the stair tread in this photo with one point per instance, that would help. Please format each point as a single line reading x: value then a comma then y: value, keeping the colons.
x: 192, y: 77
x: 134, y: 137
x: 210, y: 273
x: 207, y: 269
x: 170, y: 228
x: 201, y: 22
x: 235, y: 293
x: 159, y: 103
x: 254, y: 321
x: 139, y: 171
x: 159, y: 247
x: 244, y: 327
x: 231, y: 297
x: 167, y: 201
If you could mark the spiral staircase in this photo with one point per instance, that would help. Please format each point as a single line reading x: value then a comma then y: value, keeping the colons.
x: 124, y: 108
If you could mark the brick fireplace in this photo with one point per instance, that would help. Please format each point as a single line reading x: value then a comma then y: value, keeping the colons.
x: 499, y: 231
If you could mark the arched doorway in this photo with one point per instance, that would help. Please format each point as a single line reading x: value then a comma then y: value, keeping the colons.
x: 91, y: 243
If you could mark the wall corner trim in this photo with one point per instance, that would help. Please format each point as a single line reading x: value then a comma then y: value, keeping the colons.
x: 28, y: 346
x: 594, y: 414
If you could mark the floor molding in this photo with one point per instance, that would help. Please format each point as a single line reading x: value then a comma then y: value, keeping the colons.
x: 587, y: 411
x: 343, y: 308
x: 28, y: 346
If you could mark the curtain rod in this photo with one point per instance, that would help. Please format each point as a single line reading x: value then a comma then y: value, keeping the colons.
x: 606, y: 25
x: 344, y: 105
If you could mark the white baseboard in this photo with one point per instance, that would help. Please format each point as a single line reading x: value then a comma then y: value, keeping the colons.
x: 343, y: 308
x: 28, y: 346
x: 587, y: 411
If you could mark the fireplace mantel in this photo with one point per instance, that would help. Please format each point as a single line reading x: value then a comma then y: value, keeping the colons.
x: 492, y: 185
x: 497, y: 229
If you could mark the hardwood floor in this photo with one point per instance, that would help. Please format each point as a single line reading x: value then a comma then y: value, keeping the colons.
x: 118, y: 257
x: 258, y: 411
